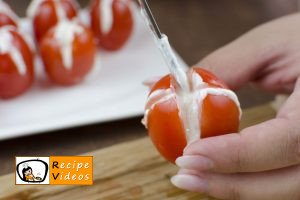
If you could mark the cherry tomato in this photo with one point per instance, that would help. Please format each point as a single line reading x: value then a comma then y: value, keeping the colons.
x: 46, y: 13
x: 216, y: 107
x: 16, y: 63
x: 112, y: 22
x: 7, y: 16
x: 63, y: 67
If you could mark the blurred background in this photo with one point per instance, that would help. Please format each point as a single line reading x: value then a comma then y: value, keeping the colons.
x: 195, y: 28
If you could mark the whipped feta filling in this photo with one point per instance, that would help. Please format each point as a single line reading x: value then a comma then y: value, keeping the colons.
x: 7, y: 47
x: 189, y: 113
x: 65, y: 33
x: 106, y: 15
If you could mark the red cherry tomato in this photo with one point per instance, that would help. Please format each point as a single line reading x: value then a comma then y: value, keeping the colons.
x: 7, y: 16
x: 16, y: 63
x: 112, y: 22
x: 217, y: 114
x: 45, y: 14
x: 82, y: 51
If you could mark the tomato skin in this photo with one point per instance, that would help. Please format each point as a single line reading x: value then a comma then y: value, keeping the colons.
x: 6, y: 20
x: 166, y: 129
x: 218, y: 115
x: 12, y: 83
x: 83, y: 51
x: 46, y: 16
x: 163, y: 83
x: 224, y: 122
x: 122, y: 26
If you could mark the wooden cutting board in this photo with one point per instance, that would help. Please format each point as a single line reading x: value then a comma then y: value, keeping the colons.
x: 132, y: 170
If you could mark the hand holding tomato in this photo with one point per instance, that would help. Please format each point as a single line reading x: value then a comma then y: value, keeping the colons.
x: 262, y: 161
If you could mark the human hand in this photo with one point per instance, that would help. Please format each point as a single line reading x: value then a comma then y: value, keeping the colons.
x: 262, y: 162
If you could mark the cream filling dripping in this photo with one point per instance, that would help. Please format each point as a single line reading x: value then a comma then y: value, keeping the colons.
x: 106, y: 15
x: 65, y: 33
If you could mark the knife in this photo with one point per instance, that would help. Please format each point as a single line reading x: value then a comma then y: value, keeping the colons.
x: 177, y: 70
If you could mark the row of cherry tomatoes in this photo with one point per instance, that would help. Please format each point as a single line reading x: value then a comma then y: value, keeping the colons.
x: 66, y: 46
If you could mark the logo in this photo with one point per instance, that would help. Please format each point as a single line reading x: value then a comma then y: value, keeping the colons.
x: 32, y: 170
x: 54, y: 170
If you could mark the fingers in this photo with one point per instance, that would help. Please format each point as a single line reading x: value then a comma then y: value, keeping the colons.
x: 273, y: 185
x: 250, y: 56
x: 290, y: 110
x: 270, y: 145
x: 239, y: 61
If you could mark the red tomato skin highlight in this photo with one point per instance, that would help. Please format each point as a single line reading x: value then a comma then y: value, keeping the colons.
x: 12, y: 83
x: 83, y: 51
x: 46, y: 17
x: 122, y: 26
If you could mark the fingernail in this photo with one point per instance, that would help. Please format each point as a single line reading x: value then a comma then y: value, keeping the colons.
x: 190, y: 183
x: 200, y: 163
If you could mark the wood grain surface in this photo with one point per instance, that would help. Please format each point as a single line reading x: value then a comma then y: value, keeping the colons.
x: 131, y: 170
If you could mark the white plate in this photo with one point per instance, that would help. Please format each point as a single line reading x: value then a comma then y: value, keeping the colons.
x: 115, y: 92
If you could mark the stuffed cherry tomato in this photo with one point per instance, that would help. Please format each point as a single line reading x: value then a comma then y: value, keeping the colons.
x: 7, y: 16
x: 47, y: 13
x: 175, y: 119
x: 68, y: 52
x: 112, y: 22
x: 16, y: 63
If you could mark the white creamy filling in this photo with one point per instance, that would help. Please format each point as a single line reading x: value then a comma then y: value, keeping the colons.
x: 106, y: 15
x: 7, y: 47
x: 65, y: 33
x: 5, y: 9
x: 189, y: 114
